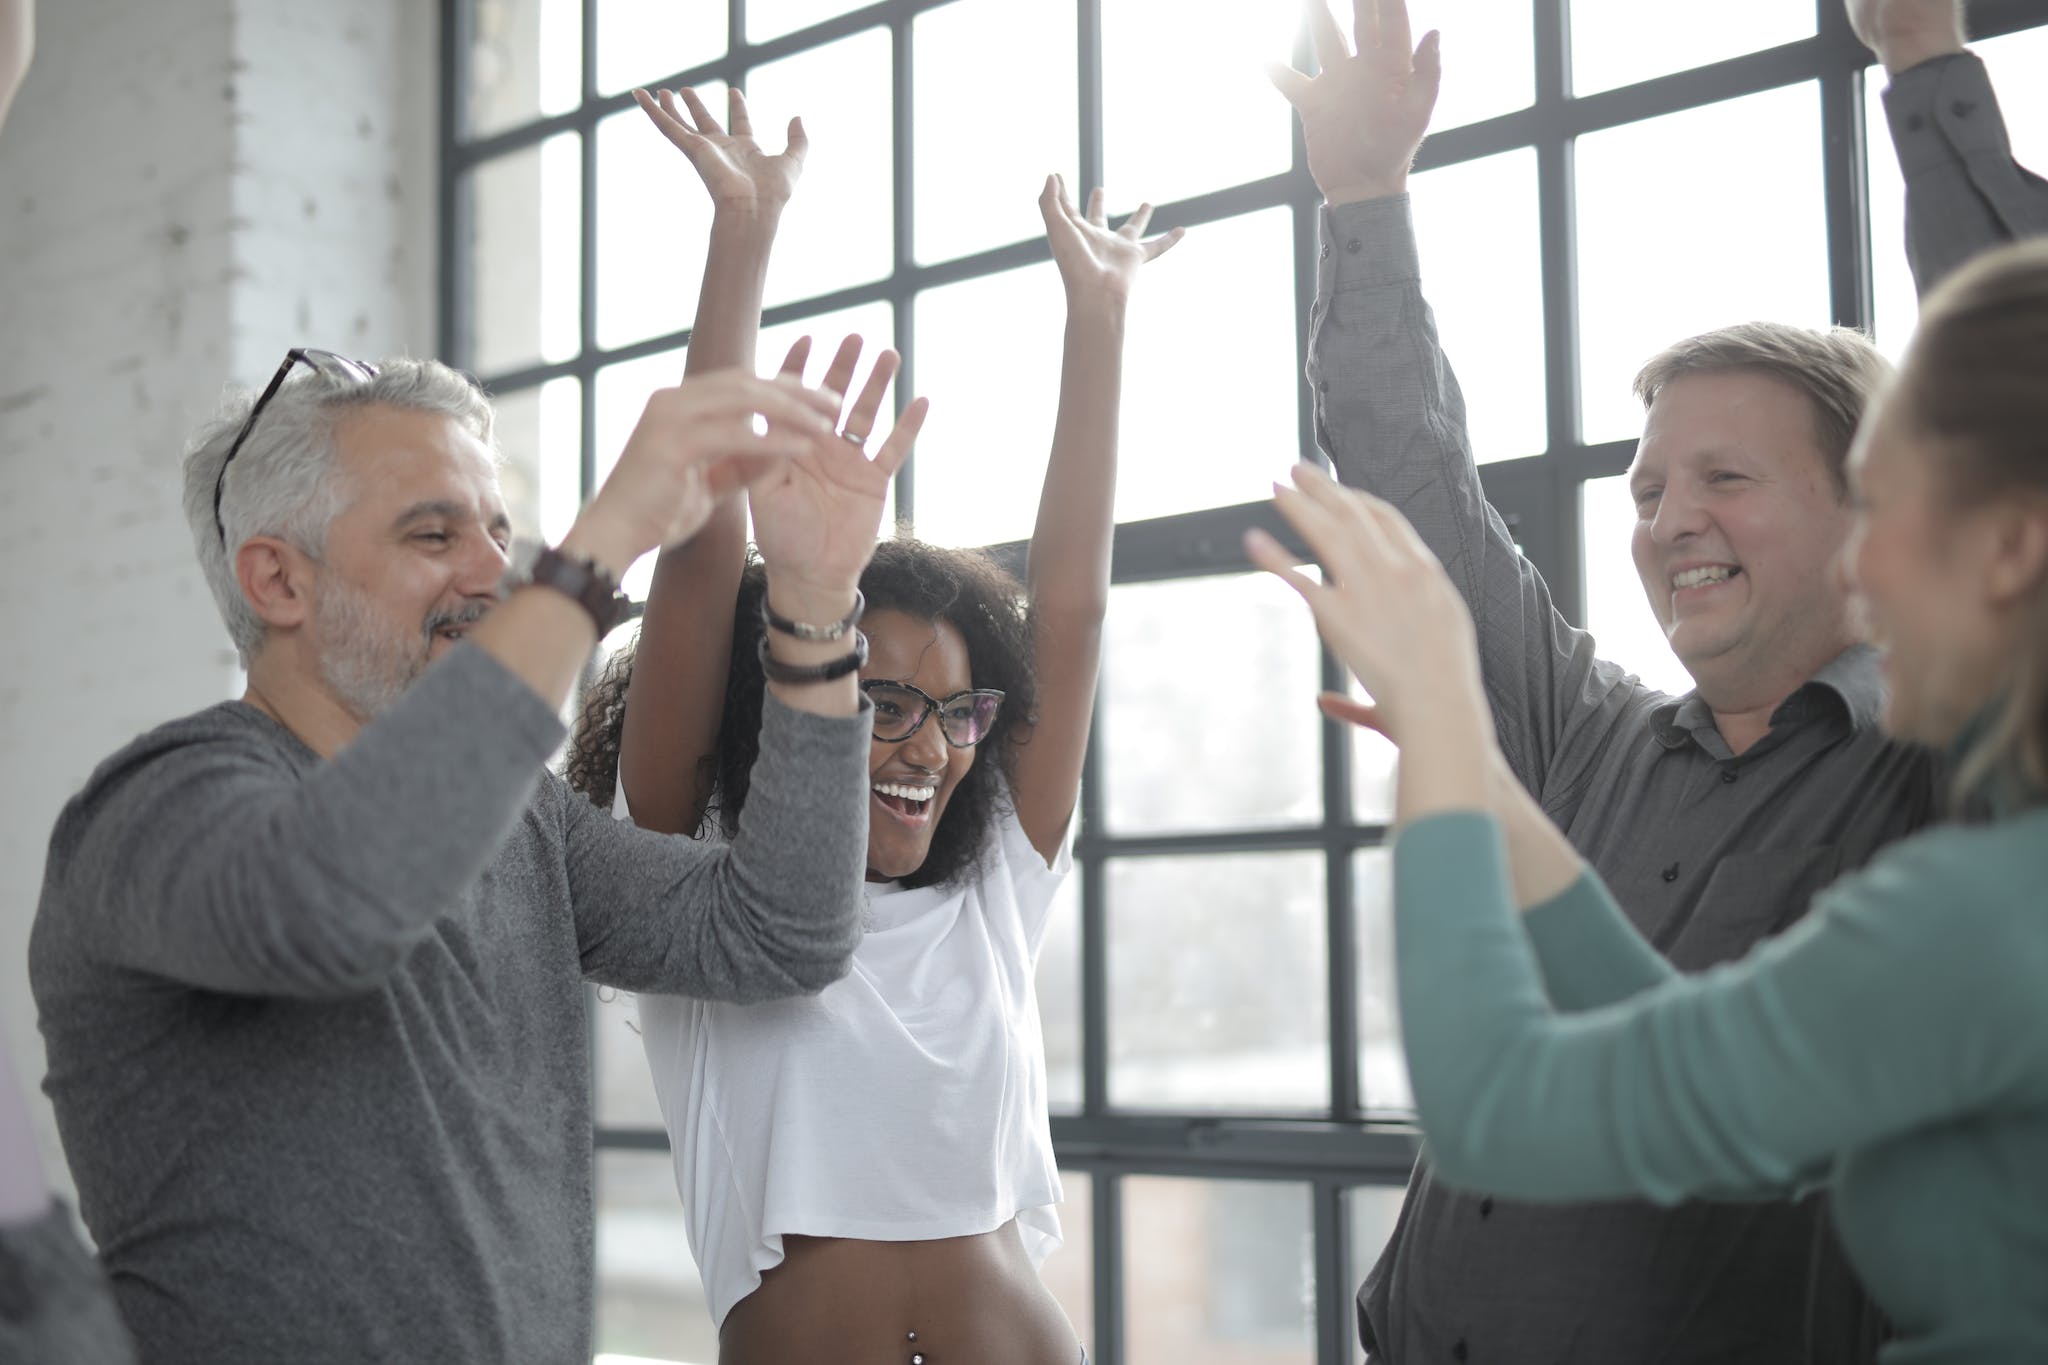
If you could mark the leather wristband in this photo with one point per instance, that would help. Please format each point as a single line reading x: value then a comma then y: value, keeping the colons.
x: 805, y: 631
x: 777, y: 671
x: 581, y: 580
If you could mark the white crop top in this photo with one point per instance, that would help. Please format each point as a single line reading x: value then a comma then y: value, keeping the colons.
x: 904, y: 1102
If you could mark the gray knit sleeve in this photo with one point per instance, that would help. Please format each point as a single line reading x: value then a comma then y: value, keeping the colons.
x: 775, y: 912
x: 222, y: 854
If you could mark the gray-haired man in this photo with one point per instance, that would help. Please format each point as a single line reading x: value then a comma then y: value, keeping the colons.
x: 1714, y: 816
x: 310, y: 964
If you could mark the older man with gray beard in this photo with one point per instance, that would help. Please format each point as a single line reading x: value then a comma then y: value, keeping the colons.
x: 310, y: 964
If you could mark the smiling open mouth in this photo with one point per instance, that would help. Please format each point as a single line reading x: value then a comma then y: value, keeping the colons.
x: 910, y: 802
x: 1705, y: 577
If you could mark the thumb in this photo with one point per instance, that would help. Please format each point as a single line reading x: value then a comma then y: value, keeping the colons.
x: 1429, y: 71
x: 1349, y: 710
x: 1292, y: 85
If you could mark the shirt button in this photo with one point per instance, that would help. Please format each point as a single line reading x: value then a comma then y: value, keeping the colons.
x: 1354, y: 246
x: 1459, y: 1352
x: 1963, y: 108
x: 1486, y: 1208
x: 1914, y: 123
x: 1727, y: 774
x: 1326, y: 251
x: 1670, y: 873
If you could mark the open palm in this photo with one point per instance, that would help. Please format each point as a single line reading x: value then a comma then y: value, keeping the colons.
x: 735, y: 168
x: 1092, y: 257
x: 1363, y: 118
x: 816, y: 517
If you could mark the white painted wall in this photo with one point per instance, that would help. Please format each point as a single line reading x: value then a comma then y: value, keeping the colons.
x: 187, y: 188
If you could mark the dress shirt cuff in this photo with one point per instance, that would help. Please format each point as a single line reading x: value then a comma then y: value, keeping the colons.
x: 1367, y: 245
x: 1944, y: 110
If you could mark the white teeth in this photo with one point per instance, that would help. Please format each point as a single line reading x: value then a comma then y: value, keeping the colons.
x: 897, y: 789
x: 1695, y: 578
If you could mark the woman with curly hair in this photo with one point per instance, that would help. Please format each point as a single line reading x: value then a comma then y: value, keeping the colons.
x: 867, y: 1174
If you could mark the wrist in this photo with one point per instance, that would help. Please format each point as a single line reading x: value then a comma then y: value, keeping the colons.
x: 811, y: 603
x: 1359, y: 191
x: 1900, y: 55
x: 610, y: 546
x: 746, y: 215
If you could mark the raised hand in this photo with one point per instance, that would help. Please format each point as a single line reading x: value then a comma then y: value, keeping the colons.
x: 1363, y: 118
x: 817, y: 515
x: 1095, y: 261
x: 1385, y: 606
x: 695, y: 445
x: 735, y: 168
x: 1905, y: 33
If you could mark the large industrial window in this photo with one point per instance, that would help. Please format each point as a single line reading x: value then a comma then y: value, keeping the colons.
x: 1603, y: 179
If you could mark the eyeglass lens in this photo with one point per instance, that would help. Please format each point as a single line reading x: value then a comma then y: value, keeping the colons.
x: 966, y: 719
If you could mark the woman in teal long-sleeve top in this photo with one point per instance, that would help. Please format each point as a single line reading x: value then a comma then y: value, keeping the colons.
x: 1895, y: 1042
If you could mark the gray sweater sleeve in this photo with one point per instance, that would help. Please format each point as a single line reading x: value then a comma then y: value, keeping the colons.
x: 776, y: 912
x: 1390, y: 416
x: 223, y: 855
x: 1964, y: 191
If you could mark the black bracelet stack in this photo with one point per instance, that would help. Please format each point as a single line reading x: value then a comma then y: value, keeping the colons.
x: 777, y: 671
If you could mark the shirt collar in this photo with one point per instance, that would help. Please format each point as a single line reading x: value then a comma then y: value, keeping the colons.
x: 1851, y: 681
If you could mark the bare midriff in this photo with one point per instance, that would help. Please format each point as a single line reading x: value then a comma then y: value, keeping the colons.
x: 954, y: 1301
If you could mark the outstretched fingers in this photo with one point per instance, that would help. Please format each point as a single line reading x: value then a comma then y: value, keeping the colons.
x: 845, y: 360
x: 1134, y: 226
x: 1164, y: 242
x: 1276, y: 559
x: 1327, y: 36
x: 860, y: 418
x: 1395, y: 37
x: 896, y: 449
x: 662, y: 113
x: 737, y: 118
x: 799, y: 356
x: 700, y: 113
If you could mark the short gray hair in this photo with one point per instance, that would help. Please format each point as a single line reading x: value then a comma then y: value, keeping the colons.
x: 283, y: 482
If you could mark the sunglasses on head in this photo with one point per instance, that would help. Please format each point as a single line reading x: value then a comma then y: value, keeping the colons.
x: 320, y: 362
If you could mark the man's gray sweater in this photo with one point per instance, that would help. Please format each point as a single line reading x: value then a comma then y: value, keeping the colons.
x: 316, y: 1028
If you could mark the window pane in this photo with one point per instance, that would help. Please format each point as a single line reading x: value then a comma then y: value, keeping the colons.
x: 1671, y: 243
x: 537, y: 433
x: 1070, y: 1272
x: 836, y: 231
x: 1620, y: 42
x: 646, y: 40
x: 1490, y: 59
x: 524, y: 255
x: 979, y: 166
x: 1382, y: 1066
x: 773, y: 18
x: 1208, y: 707
x: 1218, y: 1272
x: 622, y: 393
x: 650, y: 1303
x: 1186, y: 106
x: 1059, y: 1001
x: 1210, y: 377
x: 653, y: 225
x: 981, y: 458
x: 1475, y: 226
x: 1216, y: 972
x: 1370, y: 1211
x: 2014, y: 62
x: 1616, y: 611
x: 525, y: 62
x: 625, y: 1087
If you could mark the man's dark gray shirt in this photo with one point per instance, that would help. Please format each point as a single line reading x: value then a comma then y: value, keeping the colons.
x: 1708, y: 852
x: 316, y: 1027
